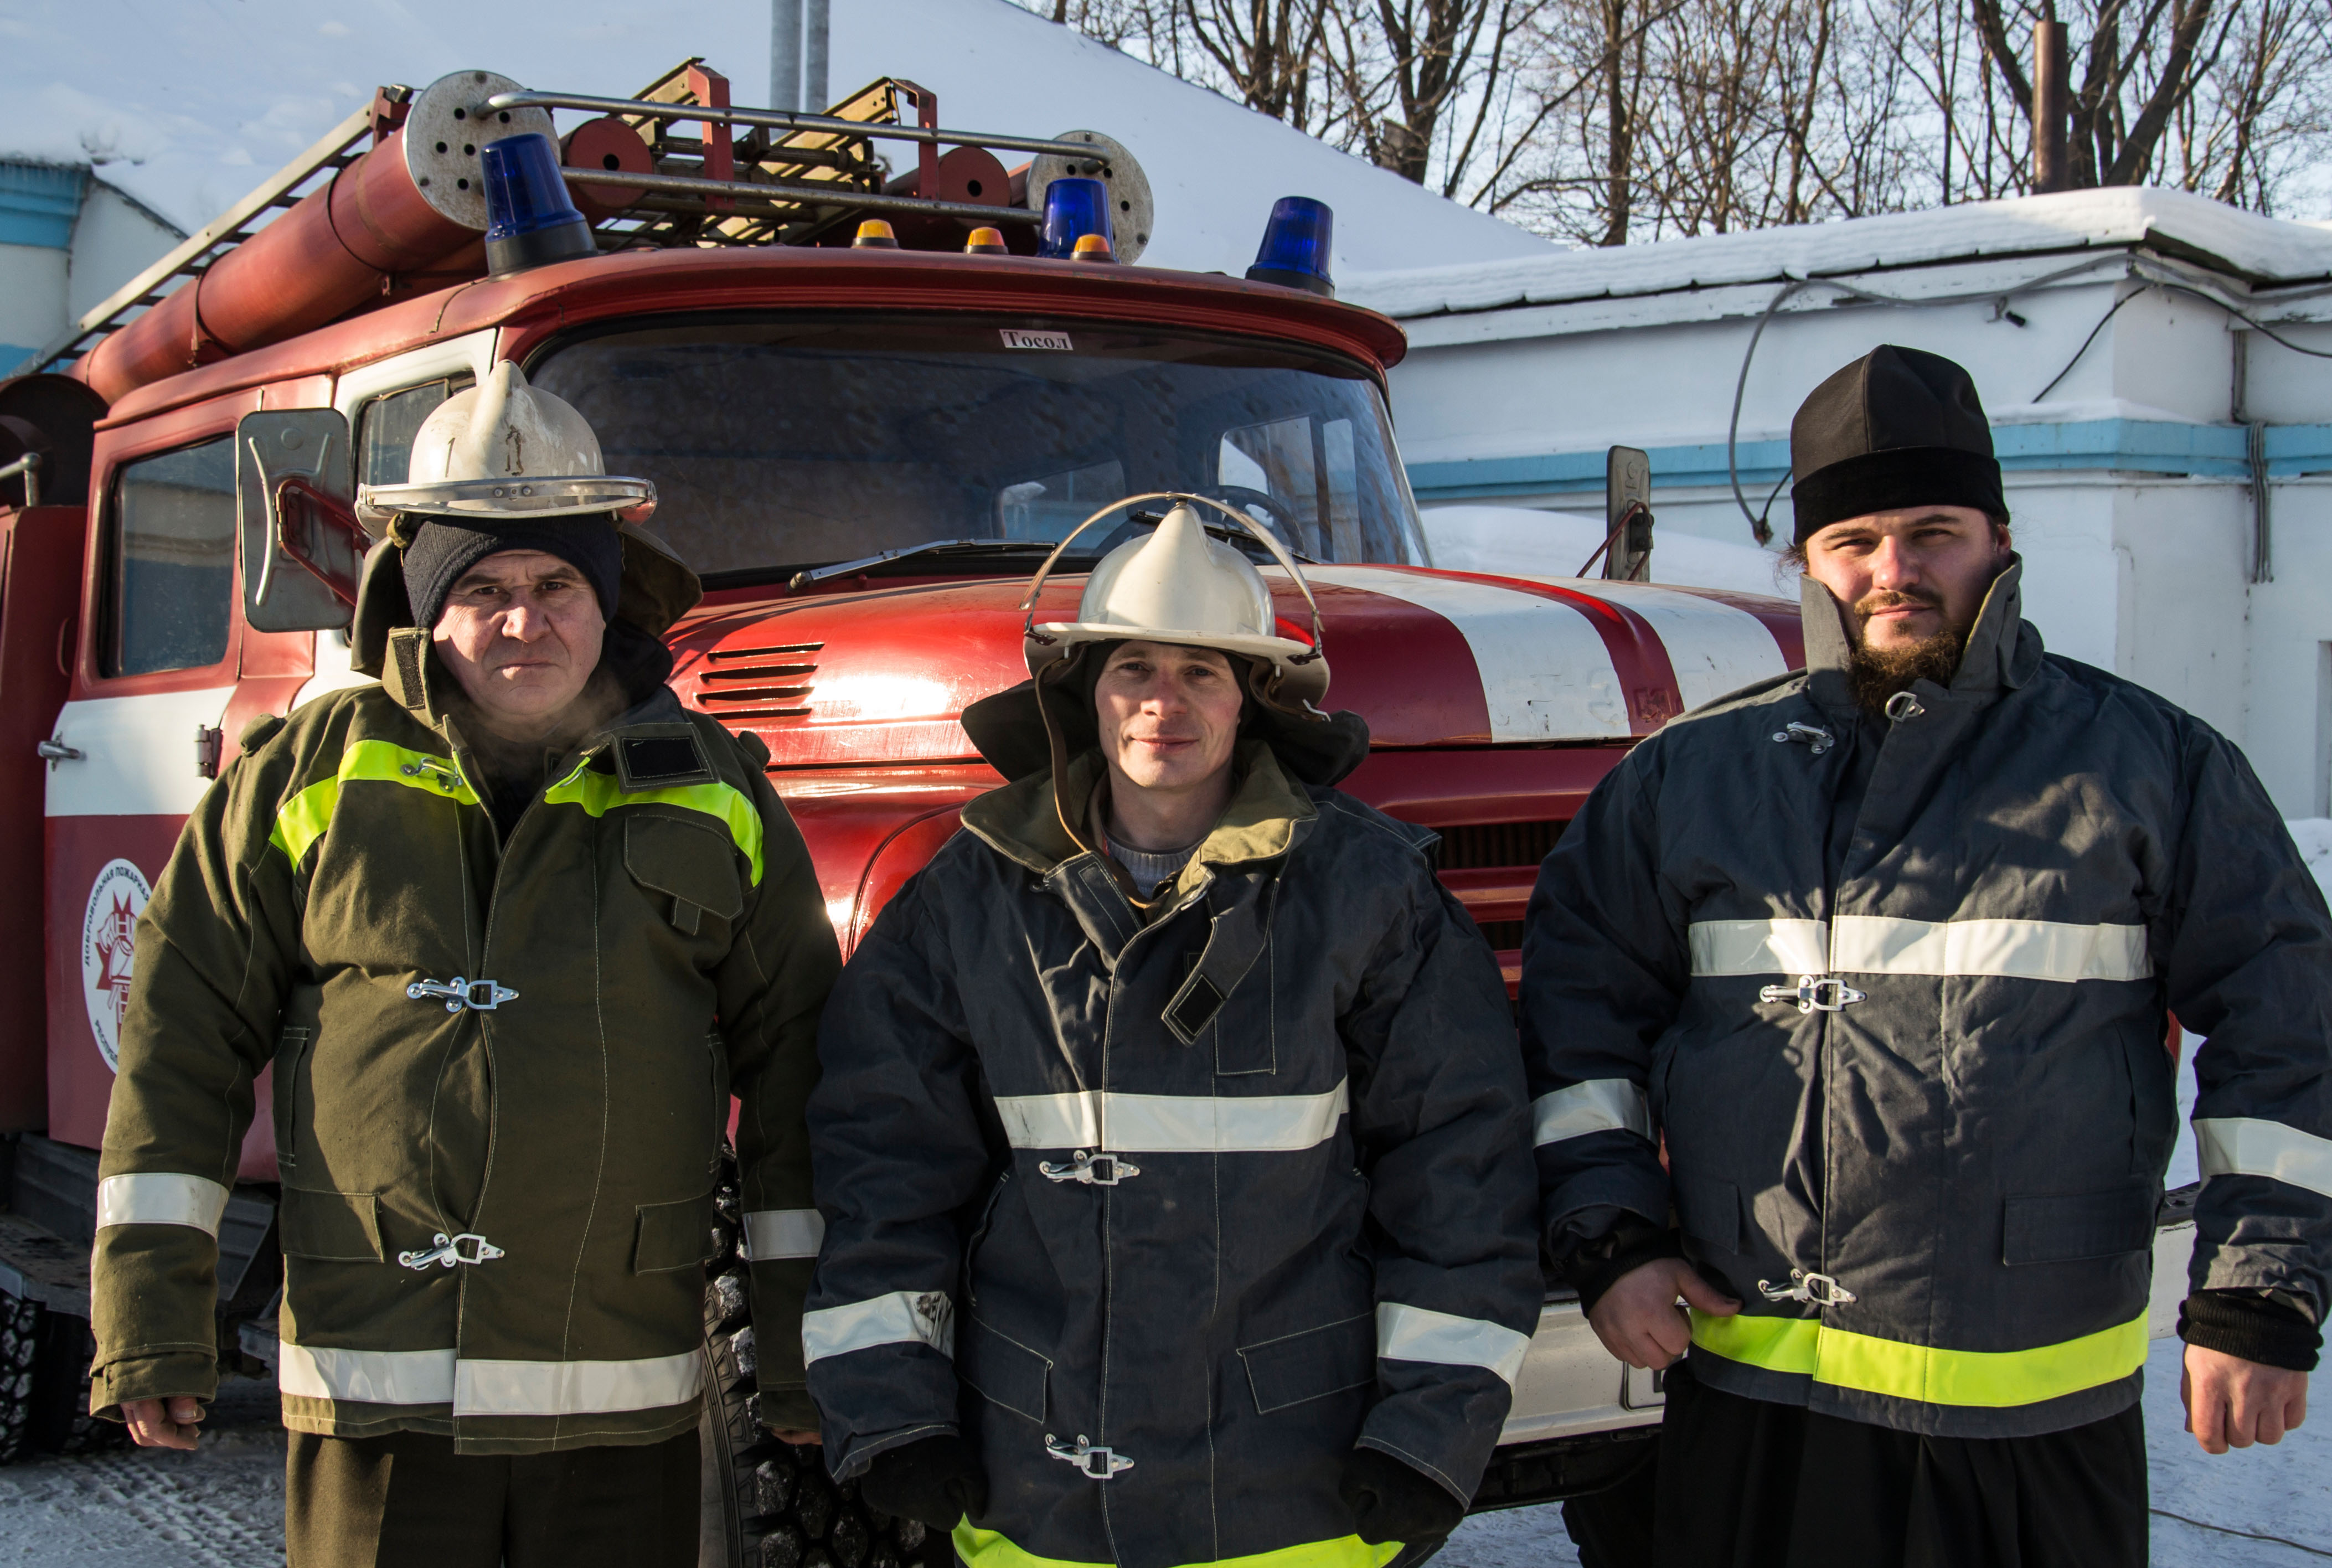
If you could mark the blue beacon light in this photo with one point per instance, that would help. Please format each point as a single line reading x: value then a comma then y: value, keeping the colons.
x: 1296, y: 246
x: 529, y: 220
x: 1074, y: 208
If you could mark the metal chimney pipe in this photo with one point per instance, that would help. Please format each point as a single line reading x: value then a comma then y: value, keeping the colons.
x: 813, y: 84
x: 2051, y: 109
x: 785, y: 55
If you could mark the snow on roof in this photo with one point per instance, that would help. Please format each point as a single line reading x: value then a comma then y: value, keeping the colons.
x: 188, y: 107
x: 2268, y: 251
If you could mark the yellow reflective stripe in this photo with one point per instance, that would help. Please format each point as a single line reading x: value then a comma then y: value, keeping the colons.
x: 301, y: 821
x: 599, y: 793
x: 1928, y: 1373
x: 986, y: 1549
x: 304, y: 819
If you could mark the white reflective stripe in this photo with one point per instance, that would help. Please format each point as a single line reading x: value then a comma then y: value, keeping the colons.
x: 1546, y: 673
x: 774, y: 1233
x: 1172, y: 1123
x: 574, y: 1388
x: 902, y: 1318
x: 488, y: 1388
x: 2251, y: 1146
x: 371, y: 1377
x: 1415, y: 1333
x: 1721, y: 947
x: 1714, y: 648
x: 160, y: 1198
x: 1597, y: 1105
x: 1882, y: 944
x: 2013, y: 949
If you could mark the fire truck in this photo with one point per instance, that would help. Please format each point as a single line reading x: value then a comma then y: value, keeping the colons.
x: 864, y: 449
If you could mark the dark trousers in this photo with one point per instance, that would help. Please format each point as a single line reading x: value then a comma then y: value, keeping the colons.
x: 407, y: 1501
x: 1748, y: 1484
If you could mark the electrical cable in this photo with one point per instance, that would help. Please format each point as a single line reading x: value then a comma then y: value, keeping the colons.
x: 2111, y: 311
x: 2246, y: 1535
x: 1758, y: 526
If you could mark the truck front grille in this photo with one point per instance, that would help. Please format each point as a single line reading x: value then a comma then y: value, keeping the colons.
x: 1486, y: 845
x: 769, y: 683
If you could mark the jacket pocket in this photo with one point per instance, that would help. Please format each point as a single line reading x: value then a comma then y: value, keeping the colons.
x: 291, y: 1062
x: 2085, y: 1225
x: 1005, y: 1372
x: 1711, y: 1211
x: 695, y: 868
x: 1313, y: 1364
x: 331, y: 1227
x: 673, y: 1235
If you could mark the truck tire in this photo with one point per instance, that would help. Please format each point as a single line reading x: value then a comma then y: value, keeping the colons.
x: 20, y: 1341
x: 62, y: 1423
x: 768, y: 1504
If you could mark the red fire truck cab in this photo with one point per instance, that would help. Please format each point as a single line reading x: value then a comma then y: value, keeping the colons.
x: 865, y: 453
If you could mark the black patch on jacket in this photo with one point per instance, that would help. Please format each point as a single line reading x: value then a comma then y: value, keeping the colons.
x: 661, y: 758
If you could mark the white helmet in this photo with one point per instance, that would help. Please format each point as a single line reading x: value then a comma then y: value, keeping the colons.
x: 1180, y: 586
x: 502, y: 449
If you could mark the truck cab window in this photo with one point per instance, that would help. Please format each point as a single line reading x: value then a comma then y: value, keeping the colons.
x: 171, y: 587
x: 386, y: 429
x: 1049, y: 507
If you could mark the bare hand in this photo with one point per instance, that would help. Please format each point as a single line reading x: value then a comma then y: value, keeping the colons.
x: 1638, y: 1319
x: 154, y: 1426
x: 2231, y: 1402
x: 796, y: 1437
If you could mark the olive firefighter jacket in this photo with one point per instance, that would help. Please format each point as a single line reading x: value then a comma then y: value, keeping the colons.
x: 1167, y: 1216
x: 1895, y: 993
x: 503, y: 1074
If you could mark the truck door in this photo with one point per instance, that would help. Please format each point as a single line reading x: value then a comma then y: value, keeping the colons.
x: 156, y: 666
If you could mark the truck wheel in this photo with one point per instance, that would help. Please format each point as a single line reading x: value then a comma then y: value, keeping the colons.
x: 62, y: 1423
x: 20, y: 1341
x: 767, y: 1504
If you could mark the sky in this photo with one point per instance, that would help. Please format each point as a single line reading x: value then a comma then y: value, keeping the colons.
x: 191, y: 104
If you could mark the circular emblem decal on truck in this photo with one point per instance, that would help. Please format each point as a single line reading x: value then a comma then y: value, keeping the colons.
x: 108, y: 946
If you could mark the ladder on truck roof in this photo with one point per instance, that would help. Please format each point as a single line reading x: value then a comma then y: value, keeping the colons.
x: 754, y: 176
x: 287, y: 187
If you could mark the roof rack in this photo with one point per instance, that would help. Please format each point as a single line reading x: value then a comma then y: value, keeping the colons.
x: 754, y: 176
x: 286, y: 188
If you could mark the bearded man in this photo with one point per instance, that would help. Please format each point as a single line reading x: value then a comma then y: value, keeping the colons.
x: 1884, y: 954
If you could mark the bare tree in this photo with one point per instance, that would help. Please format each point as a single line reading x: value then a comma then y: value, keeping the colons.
x: 1609, y: 121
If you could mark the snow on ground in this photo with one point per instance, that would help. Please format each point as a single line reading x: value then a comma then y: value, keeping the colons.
x: 223, y: 1506
x: 1529, y: 542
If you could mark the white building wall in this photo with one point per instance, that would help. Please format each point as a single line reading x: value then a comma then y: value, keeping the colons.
x: 114, y: 240
x: 2128, y: 480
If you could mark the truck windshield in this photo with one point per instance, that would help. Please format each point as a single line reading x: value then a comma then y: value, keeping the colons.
x: 776, y: 443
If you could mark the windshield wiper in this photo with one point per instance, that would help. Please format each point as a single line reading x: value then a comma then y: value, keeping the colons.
x: 928, y: 547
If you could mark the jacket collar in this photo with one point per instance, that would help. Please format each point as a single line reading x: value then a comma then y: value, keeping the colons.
x: 418, y: 683
x: 2003, y: 649
x: 1021, y: 821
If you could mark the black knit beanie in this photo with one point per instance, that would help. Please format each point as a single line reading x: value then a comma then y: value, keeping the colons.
x: 442, y: 551
x: 1898, y: 428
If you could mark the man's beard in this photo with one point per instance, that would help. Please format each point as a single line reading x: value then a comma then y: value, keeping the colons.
x: 1879, y: 674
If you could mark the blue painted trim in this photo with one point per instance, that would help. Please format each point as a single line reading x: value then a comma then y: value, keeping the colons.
x: 2130, y: 445
x: 38, y: 204
x: 16, y: 357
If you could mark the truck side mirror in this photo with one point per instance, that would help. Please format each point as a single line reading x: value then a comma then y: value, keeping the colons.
x: 1627, y: 514
x: 302, y: 547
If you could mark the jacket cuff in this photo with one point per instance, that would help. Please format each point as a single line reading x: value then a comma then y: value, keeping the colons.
x: 178, y: 1375
x: 1594, y: 1268
x: 786, y: 1408
x: 2252, y: 1326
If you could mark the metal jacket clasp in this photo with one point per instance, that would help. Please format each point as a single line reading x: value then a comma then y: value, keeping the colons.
x: 447, y: 1252
x: 1823, y: 993
x: 429, y: 768
x: 1091, y: 1168
x: 479, y: 995
x: 1100, y: 1464
x: 1819, y: 1289
x: 1812, y: 737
